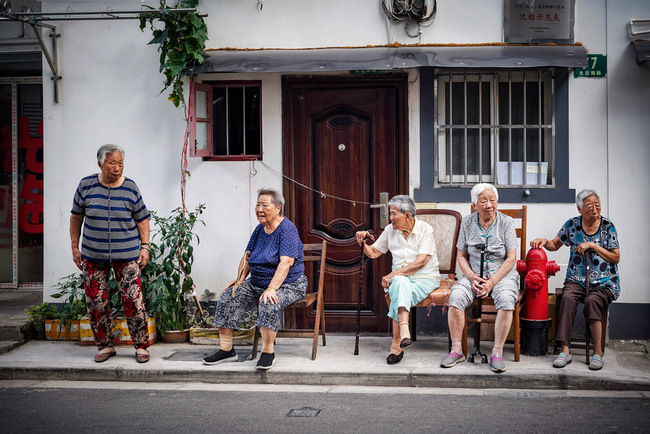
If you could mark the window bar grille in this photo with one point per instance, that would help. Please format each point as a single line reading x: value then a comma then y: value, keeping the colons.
x: 465, y: 126
x: 480, y: 126
x: 227, y: 121
x: 509, y: 128
x: 539, y: 129
x: 525, y: 123
x: 243, y: 122
x: 450, y: 121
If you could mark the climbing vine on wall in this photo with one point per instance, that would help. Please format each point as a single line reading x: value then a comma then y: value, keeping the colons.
x: 181, y: 40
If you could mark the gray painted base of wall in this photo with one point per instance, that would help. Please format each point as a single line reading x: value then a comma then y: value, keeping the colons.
x: 626, y: 321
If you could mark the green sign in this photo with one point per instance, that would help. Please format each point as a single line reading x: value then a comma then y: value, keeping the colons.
x: 597, y: 67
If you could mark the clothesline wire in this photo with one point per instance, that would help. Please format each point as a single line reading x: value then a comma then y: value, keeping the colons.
x: 323, y: 195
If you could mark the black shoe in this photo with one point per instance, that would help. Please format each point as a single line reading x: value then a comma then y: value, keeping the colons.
x: 221, y: 356
x: 393, y: 359
x: 406, y: 342
x: 266, y: 361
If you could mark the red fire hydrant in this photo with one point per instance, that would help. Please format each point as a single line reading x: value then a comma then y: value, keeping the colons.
x: 535, y: 321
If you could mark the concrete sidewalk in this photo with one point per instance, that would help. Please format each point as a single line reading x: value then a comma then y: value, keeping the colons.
x: 335, y: 365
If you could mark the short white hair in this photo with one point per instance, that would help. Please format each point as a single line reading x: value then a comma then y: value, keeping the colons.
x: 480, y: 188
x: 404, y: 204
x: 108, y: 149
x: 580, y: 197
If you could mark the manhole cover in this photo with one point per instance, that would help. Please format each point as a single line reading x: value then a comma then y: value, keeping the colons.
x: 304, y: 412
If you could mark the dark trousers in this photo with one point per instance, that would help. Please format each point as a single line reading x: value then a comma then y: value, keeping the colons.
x: 573, y: 294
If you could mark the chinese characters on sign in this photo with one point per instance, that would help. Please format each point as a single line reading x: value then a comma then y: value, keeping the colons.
x: 597, y: 67
x: 531, y: 21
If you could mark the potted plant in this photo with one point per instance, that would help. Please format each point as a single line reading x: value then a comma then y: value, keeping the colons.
x: 168, y: 276
x: 244, y: 335
x: 38, y: 313
x: 66, y: 326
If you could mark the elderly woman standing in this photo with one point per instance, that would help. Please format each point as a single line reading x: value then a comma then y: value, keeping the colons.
x: 496, y: 231
x: 415, y: 267
x: 274, y: 258
x: 115, y: 235
x: 588, y: 232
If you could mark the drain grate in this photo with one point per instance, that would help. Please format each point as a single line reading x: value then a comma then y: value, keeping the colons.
x: 304, y: 412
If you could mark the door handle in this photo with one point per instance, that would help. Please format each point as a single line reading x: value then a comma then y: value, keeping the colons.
x: 383, y: 205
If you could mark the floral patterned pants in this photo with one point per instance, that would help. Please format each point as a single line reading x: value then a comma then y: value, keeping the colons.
x: 96, y: 286
x: 230, y: 309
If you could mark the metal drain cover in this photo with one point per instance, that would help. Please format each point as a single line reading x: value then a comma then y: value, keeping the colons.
x: 304, y: 412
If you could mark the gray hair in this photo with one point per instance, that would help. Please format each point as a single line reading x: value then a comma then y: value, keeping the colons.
x: 276, y: 197
x: 403, y: 203
x: 108, y: 149
x: 480, y: 188
x: 580, y: 197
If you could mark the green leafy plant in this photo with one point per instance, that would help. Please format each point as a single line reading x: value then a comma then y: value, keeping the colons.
x: 168, y: 273
x: 181, y: 40
x: 70, y: 290
x: 41, y: 311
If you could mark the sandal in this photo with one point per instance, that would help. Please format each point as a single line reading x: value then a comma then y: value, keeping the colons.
x: 104, y: 356
x: 142, y: 357
x: 562, y: 360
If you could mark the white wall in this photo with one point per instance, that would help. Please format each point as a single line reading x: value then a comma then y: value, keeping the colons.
x: 111, y: 82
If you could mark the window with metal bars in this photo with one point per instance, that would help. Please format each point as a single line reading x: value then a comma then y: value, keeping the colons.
x: 494, y: 126
x: 225, y: 119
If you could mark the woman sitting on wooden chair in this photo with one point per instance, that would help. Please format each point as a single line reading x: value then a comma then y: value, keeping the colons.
x: 593, y: 232
x: 415, y: 267
x: 274, y: 257
x: 496, y: 232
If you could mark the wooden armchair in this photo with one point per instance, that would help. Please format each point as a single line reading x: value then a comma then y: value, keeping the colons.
x: 446, y: 228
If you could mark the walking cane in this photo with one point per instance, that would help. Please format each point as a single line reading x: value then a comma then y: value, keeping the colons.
x: 470, y: 357
x: 363, y: 253
x: 587, y: 328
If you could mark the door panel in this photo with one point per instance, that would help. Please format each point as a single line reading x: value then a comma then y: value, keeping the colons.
x: 345, y: 138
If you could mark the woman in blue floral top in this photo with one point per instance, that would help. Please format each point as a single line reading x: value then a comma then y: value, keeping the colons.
x: 597, y: 234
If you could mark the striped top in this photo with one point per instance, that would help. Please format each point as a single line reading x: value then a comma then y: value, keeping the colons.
x: 110, y: 231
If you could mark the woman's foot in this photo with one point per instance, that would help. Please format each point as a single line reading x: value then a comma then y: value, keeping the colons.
x: 142, y: 355
x: 393, y: 359
x: 104, y: 355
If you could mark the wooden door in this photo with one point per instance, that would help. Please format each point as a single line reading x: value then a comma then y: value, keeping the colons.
x: 345, y: 141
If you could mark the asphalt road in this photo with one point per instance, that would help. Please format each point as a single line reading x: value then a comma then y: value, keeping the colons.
x: 79, y: 407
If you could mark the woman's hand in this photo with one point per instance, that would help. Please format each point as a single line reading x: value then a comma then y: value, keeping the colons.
x: 143, y: 258
x: 583, y: 247
x: 76, y: 257
x: 363, y: 235
x: 269, y: 296
x: 385, y: 281
x: 482, y: 287
x: 538, y: 243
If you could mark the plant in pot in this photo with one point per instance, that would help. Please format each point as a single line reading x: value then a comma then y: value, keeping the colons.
x: 67, y: 324
x: 38, y: 313
x: 168, y: 278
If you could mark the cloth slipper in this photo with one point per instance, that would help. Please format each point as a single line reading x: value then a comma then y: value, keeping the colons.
x: 142, y: 357
x: 406, y: 342
x: 596, y: 363
x: 393, y: 359
x: 562, y: 360
x: 102, y: 357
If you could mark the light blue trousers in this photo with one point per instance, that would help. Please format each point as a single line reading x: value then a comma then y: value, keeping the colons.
x: 406, y: 292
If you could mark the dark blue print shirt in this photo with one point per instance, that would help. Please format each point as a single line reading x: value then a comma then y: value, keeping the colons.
x: 266, y: 250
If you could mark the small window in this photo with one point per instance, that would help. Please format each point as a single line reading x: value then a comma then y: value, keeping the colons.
x: 226, y: 120
x: 495, y: 126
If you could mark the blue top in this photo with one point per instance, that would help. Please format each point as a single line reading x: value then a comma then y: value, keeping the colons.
x: 110, y: 231
x: 602, y: 273
x: 266, y: 250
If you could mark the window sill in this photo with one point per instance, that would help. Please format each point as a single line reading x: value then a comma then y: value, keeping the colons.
x: 233, y: 158
x: 506, y: 195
